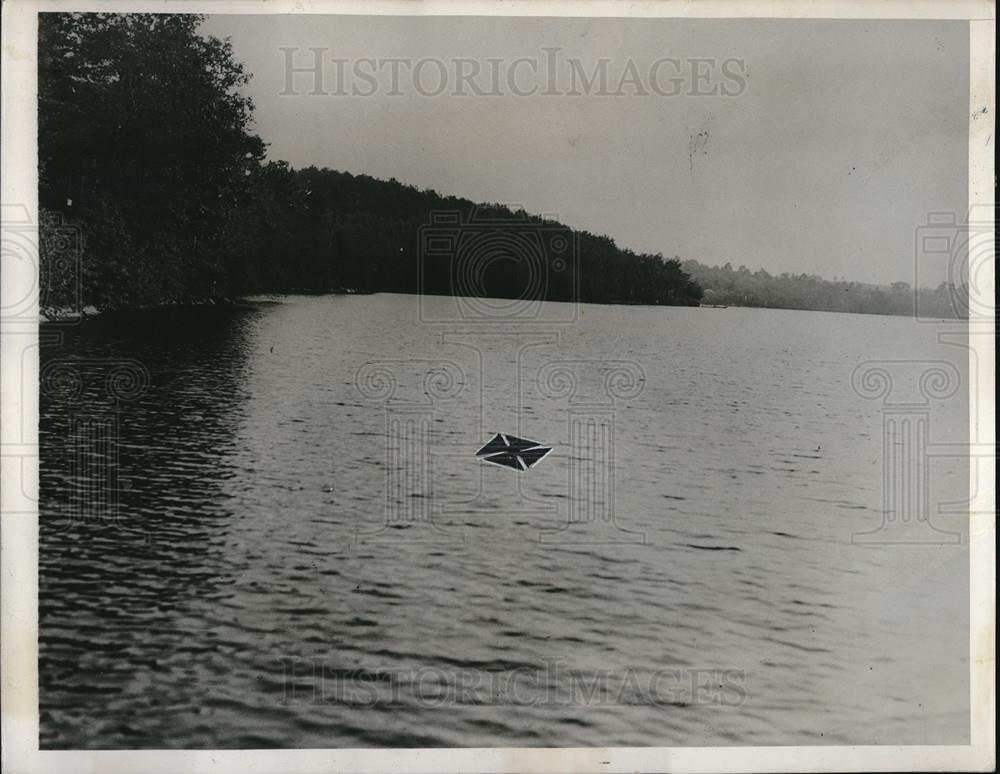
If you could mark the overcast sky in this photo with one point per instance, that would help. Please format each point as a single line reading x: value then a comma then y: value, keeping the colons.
x: 843, y: 136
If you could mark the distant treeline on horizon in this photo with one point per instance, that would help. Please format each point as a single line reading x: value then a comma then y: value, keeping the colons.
x: 726, y: 286
x: 153, y: 190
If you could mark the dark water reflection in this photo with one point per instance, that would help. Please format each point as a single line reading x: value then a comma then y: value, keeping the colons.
x: 139, y: 415
x: 218, y: 566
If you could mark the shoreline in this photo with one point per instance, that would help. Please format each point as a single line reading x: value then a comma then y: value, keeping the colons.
x: 90, y: 311
x: 52, y: 314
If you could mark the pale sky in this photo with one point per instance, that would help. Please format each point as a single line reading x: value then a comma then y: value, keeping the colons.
x: 846, y: 135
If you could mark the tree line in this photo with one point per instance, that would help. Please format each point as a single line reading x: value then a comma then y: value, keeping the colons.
x: 146, y: 149
x: 725, y: 285
x: 147, y: 159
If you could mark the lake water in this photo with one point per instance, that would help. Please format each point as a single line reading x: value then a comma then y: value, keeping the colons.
x: 265, y: 526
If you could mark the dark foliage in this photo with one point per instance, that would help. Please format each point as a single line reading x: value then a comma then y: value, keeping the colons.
x: 154, y: 190
x: 143, y: 145
x: 145, y: 148
x: 316, y: 230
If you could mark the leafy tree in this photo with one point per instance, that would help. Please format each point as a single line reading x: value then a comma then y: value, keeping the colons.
x: 144, y: 143
x: 142, y: 124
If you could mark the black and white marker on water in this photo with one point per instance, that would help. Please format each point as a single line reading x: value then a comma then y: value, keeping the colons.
x: 512, y: 452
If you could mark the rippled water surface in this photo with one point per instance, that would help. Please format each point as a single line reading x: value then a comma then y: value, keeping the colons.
x: 265, y: 526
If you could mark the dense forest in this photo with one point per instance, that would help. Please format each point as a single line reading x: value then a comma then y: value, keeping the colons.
x: 724, y: 285
x: 154, y: 190
x: 146, y: 150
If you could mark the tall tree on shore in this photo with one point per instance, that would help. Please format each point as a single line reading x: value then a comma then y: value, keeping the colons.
x: 145, y: 147
x: 144, y: 142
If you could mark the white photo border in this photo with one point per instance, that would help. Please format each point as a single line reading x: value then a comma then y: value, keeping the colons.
x: 19, y: 421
